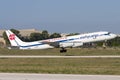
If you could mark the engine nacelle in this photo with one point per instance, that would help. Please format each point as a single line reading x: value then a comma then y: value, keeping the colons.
x: 65, y: 44
x: 70, y: 44
x: 77, y: 44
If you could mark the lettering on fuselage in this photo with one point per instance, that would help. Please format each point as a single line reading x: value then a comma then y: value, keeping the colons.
x: 63, y: 39
x: 55, y: 39
x: 89, y: 36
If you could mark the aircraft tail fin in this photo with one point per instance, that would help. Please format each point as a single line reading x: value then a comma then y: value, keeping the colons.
x: 14, y: 40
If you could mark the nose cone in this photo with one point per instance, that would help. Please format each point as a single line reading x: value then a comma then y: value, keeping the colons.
x: 113, y: 35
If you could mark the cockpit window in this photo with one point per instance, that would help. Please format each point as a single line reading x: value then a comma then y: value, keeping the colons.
x: 108, y: 33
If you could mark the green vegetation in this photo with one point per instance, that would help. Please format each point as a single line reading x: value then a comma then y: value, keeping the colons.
x: 62, y: 66
x: 55, y: 51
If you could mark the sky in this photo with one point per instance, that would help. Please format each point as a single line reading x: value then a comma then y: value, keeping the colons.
x: 62, y: 16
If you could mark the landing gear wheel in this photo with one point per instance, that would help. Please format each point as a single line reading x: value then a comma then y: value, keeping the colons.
x: 63, y: 50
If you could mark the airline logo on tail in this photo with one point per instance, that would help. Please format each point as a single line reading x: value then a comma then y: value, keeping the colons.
x: 12, y: 36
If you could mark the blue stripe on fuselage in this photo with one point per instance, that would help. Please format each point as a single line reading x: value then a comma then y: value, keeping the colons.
x: 67, y: 40
x: 82, y: 37
x: 31, y: 45
x: 43, y: 44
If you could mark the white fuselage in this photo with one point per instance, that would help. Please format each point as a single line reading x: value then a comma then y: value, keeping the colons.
x: 78, y: 40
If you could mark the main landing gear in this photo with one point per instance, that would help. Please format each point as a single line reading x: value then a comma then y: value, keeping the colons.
x: 63, y: 50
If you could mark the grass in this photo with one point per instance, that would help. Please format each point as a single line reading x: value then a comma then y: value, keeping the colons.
x: 109, y: 66
x: 62, y: 66
x: 55, y: 51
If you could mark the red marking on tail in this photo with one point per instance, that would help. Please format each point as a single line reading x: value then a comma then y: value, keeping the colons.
x: 12, y: 36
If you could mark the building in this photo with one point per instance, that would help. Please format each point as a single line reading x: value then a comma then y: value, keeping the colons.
x: 27, y: 32
x: 2, y: 41
x: 1, y: 33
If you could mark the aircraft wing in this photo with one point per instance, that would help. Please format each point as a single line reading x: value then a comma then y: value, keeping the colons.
x: 55, y: 44
x: 64, y: 44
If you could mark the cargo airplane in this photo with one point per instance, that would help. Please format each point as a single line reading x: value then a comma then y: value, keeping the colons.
x: 62, y: 42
